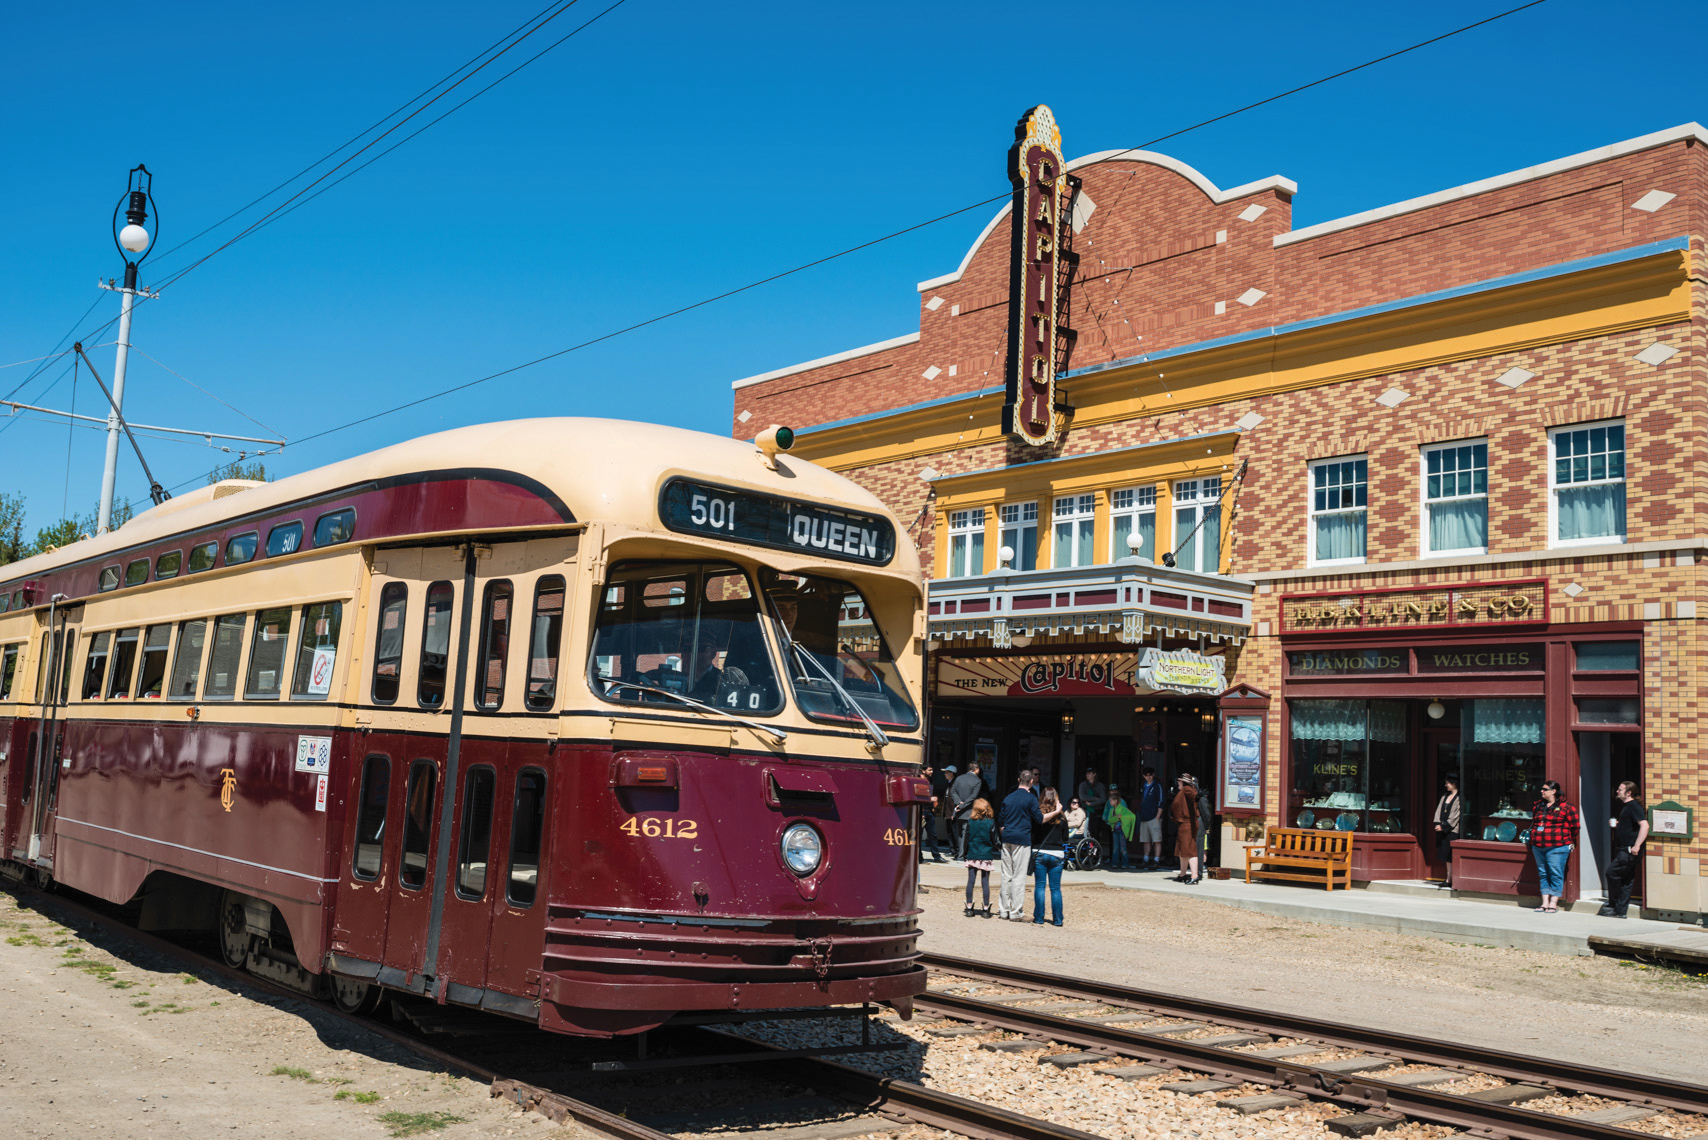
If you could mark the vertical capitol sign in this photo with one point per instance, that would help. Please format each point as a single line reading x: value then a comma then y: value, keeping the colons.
x: 1042, y: 219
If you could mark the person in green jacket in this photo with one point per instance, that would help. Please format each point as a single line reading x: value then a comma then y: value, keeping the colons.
x: 981, y: 853
x: 1121, y: 821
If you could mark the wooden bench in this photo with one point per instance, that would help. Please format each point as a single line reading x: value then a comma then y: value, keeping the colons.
x: 1304, y: 855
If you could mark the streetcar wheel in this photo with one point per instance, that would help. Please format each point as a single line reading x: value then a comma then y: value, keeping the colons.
x: 233, y: 931
x: 354, y: 996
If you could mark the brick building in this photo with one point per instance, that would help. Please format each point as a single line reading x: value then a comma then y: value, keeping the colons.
x: 1431, y: 476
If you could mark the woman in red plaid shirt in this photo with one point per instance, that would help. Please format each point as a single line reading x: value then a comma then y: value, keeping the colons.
x: 1553, y: 831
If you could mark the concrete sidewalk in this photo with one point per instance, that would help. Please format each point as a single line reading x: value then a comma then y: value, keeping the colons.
x: 1410, y: 909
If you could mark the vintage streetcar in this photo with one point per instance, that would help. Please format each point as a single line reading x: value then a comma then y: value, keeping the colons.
x: 584, y: 722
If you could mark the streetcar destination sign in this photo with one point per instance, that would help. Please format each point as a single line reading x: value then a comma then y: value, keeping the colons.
x: 781, y: 524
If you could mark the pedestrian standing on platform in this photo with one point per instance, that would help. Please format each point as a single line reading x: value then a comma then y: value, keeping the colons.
x: 1120, y: 821
x: 1035, y: 781
x: 1184, y: 814
x: 964, y: 791
x: 1201, y: 837
x: 980, y: 833
x: 1019, y: 814
x: 1630, y: 831
x: 928, y: 820
x: 1554, y: 825
x: 1150, y: 820
x: 1047, y: 843
x: 1094, y: 797
x: 1076, y: 822
x: 1448, y: 815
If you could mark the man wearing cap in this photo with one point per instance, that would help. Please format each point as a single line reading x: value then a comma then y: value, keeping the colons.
x: 928, y: 819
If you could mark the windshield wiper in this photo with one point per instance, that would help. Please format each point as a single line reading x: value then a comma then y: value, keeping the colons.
x: 692, y: 703
x: 801, y: 655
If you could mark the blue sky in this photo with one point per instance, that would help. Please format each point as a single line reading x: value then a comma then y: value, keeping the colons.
x: 669, y: 152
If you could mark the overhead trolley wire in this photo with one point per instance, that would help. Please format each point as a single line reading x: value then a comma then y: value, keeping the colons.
x: 1007, y: 195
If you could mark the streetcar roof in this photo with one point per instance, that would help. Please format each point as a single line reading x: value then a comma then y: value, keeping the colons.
x: 602, y: 471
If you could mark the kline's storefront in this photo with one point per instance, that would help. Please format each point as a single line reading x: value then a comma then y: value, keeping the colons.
x: 1389, y: 692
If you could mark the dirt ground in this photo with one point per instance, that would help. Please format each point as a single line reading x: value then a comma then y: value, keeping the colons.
x: 99, y: 1040
x: 1598, y: 1011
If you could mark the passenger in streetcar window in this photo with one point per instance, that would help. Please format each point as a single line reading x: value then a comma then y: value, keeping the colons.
x: 709, y: 680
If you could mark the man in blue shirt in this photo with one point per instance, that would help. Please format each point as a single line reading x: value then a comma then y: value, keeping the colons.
x: 1014, y: 824
x: 1150, y: 820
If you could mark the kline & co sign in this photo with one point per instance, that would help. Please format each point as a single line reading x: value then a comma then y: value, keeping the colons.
x: 1521, y: 602
x: 1041, y: 263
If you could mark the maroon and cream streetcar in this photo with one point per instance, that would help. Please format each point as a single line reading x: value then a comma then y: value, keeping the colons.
x: 585, y: 722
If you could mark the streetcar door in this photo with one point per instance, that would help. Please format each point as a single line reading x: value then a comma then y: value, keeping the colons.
x: 59, y: 642
x: 417, y: 797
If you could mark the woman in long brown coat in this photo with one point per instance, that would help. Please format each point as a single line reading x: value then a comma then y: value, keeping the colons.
x: 1183, y: 813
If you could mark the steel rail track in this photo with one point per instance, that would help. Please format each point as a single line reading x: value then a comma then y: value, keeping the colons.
x: 1363, y: 1090
x: 907, y: 1100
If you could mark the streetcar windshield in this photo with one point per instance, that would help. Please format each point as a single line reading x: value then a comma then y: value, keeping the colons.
x: 833, y: 651
x: 688, y: 629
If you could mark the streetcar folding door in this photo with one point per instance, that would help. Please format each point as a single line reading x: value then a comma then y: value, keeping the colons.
x: 54, y: 682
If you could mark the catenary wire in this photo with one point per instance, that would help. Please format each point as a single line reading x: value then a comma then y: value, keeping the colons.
x: 886, y: 237
x: 209, y: 394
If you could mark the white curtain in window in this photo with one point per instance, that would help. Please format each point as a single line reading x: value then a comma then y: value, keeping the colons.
x: 1596, y: 511
x: 1506, y: 720
x: 1388, y: 721
x: 1462, y: 525
x: 1328, y: 720
x: 1340, y: 536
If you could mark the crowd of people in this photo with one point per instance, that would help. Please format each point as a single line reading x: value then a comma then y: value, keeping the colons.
x: 1031, y: 831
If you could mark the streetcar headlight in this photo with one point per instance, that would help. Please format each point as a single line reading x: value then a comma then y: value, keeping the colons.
x: 803, y: 847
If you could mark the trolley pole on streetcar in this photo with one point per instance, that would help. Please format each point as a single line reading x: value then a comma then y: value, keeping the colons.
x: 135, y: 239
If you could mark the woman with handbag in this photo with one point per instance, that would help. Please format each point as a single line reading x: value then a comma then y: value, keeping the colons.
x: 1554, y: 826
x: 1448, y: 814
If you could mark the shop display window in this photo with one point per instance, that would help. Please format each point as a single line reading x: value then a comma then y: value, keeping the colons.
x: 1350, y: 765
x: 1609, y: 656
x: 1503, y: 752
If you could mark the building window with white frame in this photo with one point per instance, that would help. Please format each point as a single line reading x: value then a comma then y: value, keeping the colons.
x: 1456, y: 498
x: 1198, y: 524
x: 1339, y: 505
x: 1076, y: 515
x: 1587, y: 483
x: 1020, y: 533
x: 966, y: 543
x: 1132, y: 510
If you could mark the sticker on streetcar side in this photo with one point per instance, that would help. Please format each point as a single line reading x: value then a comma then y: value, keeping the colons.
x: 314, y: 754
x: 320, y: 793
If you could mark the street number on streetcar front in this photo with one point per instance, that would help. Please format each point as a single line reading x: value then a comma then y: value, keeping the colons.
x: 710, y: 510
x: 654, y: 827
x: 899, y: 837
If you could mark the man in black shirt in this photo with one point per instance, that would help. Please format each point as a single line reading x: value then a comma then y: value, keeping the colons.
x: 1094, y: 797
x: 1630, y: 829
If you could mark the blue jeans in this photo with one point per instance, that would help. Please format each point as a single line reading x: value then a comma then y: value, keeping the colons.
x: 1551, y: 867
x: 1049, y: 868
x: 1118, y: 848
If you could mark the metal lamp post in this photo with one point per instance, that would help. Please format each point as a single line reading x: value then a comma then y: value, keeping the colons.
x: 132, y: 239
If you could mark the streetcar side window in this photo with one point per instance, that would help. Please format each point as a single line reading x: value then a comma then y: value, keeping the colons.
x: 317, y: 652
x: 192, y: 637
x: 168, y: 565
x: 476, y: 833
x: 494, y: 645
x: 5, y: 602
x: 137, y: 572
x: 109, y: 578
x: 240, y: 548
x: 95, y: 665
x: 223, y: 658
x: 202, y: 556
x: 543, y: 641
x: 124, y: 663
x: 284, y: 539
x: 435, y: 645
x: 527, y: 836
x: 267, y: 654
x: 370, y: 820
x: 155, y: 647
x: 339, y: 526
x: 8, y: 671
x: 59, y: 651
x: 417, y: 825
x: 388, y: 642
x: 41, y: 671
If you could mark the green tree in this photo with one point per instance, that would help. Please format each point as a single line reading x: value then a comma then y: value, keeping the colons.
x: 12, y: 545
x: 61, y: 533
x: 238, y: 469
